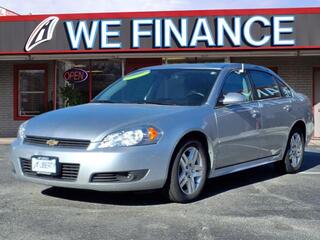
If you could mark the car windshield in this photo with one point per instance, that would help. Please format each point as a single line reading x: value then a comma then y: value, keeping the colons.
x: 188, y: 87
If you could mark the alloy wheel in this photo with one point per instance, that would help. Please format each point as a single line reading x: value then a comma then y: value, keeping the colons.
x: 296, y: 150
x: 191, y: 170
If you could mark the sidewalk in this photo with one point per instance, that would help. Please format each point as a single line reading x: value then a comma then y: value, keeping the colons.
x: 6, y: 141
x: 314, y: 143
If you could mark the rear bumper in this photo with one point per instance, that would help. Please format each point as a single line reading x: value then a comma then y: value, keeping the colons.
x: 154, y: 158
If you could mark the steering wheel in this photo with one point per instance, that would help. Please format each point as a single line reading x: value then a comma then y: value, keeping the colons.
x: 193, y: 92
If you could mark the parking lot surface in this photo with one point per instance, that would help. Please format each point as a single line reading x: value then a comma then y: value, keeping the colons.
x: 255, y: 204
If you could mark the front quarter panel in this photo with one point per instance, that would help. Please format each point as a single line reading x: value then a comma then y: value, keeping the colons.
x: 200, y: 119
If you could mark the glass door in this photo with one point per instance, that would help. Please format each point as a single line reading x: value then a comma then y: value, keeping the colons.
x: 72, y: 83
x: 31, y: 90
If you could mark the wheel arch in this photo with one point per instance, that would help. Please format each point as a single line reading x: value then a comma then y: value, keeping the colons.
x: 199, y: 135
x: 299, y: 124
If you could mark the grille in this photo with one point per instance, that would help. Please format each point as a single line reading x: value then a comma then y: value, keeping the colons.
x: 69, y: 171
x: 119, y: 176
x: 62, y: 142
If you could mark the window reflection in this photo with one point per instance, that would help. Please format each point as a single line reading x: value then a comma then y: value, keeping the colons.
x: 265, y: 84
x: 103, y: 74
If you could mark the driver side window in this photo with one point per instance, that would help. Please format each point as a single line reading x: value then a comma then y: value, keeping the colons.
x: 237, y: 83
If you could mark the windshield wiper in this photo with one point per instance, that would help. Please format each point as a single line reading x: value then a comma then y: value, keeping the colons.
x: 156, y: 102
x: 103, y: 101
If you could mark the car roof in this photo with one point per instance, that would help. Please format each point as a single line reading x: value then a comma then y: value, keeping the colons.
x: 218, y: 66
x: 190, y: 66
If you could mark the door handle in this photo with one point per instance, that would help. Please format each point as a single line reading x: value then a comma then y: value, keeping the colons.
x: 287, y: 108
x: 254, y: 113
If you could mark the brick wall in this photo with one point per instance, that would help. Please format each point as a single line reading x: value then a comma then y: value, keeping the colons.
x: 8, y: 127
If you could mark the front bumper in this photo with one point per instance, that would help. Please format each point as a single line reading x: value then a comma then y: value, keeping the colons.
x: 154, y: 158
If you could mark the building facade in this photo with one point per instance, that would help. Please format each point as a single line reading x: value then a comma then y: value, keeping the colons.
x: 51, y: 62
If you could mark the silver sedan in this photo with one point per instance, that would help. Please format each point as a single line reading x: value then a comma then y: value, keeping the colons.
x: 168, y: 127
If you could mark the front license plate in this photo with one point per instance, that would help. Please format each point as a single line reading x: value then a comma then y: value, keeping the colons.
x: 44, y: 165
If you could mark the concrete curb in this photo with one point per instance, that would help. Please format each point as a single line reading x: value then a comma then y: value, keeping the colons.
x: 314, y: 143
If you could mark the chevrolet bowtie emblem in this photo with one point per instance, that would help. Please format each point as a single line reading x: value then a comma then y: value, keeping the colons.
x: 52, y: 142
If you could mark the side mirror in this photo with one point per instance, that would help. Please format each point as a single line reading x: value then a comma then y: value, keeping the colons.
x: 233, y: 98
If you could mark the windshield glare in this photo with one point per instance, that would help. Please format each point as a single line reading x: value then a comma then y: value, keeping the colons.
x: 164, y: 87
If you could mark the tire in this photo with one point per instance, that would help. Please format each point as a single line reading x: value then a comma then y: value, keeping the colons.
x: 294, y: 153
x: 192, y: 172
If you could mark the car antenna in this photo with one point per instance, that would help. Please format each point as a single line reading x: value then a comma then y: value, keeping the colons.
x: 242, y: 69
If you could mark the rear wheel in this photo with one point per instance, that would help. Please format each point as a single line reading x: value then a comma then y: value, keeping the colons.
x: 294, y: 154
x: 188, y: 173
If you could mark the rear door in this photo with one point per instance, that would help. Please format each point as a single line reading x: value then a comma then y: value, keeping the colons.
x: 238, y: 124
x: 276, y: 111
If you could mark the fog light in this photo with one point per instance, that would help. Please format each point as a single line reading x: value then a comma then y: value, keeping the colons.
x: 114, y: 177
x: 126, y: 177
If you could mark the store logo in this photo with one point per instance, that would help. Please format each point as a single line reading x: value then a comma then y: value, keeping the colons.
x: 42, y: 33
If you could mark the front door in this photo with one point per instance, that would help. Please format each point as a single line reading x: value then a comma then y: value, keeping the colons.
x: 238, y: 124
x: 316, y: 104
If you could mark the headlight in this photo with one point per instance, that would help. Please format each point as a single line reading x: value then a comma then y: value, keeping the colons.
x: 132, y: 137
x: 22, y: 131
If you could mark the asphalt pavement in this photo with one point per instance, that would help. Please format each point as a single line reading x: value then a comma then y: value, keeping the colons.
x: 255, y: 204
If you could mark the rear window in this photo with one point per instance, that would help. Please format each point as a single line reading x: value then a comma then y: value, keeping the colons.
x: 265, y: 85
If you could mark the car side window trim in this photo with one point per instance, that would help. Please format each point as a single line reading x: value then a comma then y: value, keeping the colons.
x: 254, y: 91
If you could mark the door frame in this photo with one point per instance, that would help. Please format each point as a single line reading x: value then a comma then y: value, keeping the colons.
x: 16, y: 87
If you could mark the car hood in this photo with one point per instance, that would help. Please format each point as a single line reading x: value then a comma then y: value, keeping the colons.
x: 93, y: 121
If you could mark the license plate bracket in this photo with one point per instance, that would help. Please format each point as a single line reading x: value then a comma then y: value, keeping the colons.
x: 45, y: 165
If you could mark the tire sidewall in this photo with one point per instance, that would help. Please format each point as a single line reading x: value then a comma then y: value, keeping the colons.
x: 175, y: 192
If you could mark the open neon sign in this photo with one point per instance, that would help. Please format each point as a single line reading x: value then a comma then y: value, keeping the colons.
x: 75, y: 75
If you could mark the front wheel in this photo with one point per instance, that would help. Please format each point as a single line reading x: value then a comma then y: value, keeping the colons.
x: 294, y: 154
x: 188, y: 173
